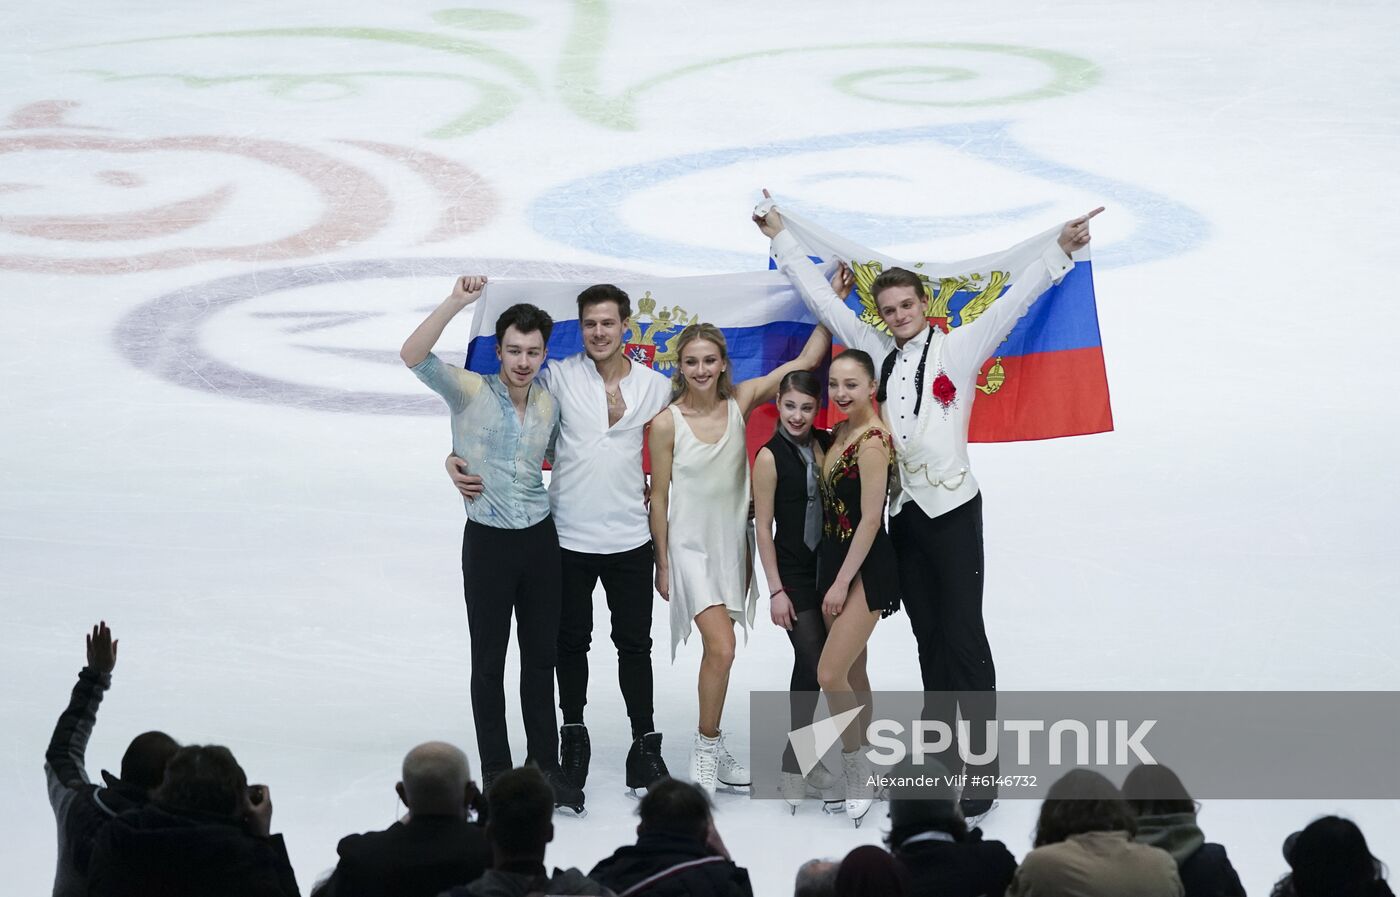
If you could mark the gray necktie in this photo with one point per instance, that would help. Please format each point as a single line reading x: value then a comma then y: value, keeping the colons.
x: 812, y: 522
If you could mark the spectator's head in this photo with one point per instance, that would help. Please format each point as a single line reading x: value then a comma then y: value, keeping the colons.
x: 901, y: 300
x: 702, y: 364
x: 522, y: 338
x: 437, y: 780
x: 1082, y: 801
x: 203, y: 779
x: 143, y: 764
x: 869, y: 871
x: 914, y: 816
x: 519, y: 813
x: 1330, y: 858
x: 799, y: 397
x: 676, y: 808
x: 603, y: 310
x: 816, y: 878
x: 928, y: 809
x: 1154, y: 790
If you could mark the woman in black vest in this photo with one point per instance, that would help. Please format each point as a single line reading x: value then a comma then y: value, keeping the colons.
x: 785, y: 473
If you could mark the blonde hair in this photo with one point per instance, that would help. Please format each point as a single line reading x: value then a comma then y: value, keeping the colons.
x: 690, y: 334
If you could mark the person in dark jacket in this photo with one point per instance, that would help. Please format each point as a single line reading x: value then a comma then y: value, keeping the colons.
x: 1330, y: 858
x: 1166, y: 818
x: 205, y: 833
x: 436, y: 847
x: 519, y: 810
x: 929, y: 837
x: 678, y: 851
x: 81, y: 808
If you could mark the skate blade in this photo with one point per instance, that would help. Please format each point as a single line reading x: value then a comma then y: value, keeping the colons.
x: 574, y: 812
x: 635, y: 793
x: 834, y: 807
x: 732, y: 789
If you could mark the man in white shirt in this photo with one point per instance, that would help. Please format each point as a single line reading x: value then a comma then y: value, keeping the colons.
x: 597, y: 492
x: 927, y: 383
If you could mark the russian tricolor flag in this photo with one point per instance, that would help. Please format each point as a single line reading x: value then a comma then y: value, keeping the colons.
x: 1045, y: 380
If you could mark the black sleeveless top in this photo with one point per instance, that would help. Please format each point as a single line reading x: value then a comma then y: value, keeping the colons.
x: 797, y: 564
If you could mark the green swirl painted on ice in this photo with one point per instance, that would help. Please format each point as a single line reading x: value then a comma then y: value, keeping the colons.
x: 495, y: 101
x: 578, y: 81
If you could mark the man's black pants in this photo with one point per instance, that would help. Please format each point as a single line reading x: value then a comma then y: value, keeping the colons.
x: 505, y: 570
x: 940, y: 574
x: 627, y: 581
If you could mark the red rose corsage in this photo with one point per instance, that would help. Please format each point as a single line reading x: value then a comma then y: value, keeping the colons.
x: 944, y: 391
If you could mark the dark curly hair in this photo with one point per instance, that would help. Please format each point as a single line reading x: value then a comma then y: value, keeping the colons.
x: 525, y: 318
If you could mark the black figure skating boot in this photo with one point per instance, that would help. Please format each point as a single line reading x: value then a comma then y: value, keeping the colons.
x: 567, y: 799
x: 644, y: 763
x: 574, y: 753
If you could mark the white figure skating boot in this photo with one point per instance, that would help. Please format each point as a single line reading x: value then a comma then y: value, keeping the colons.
x: 731, y: 774
x: 793, y: 789
x: 704, y: 762
x: 860, y: 793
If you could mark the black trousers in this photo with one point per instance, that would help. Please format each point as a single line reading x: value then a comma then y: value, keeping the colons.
x: 505, y: 570
x: 627, y: 582
x: 940, y: 573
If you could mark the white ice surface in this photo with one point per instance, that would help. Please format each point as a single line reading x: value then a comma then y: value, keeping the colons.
x: 283, y: 577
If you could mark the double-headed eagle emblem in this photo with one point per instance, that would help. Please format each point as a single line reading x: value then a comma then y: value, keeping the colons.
x: 986, y: 289
x: 650, y: 332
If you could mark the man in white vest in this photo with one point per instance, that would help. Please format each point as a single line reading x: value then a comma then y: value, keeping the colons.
x: 927, y: 383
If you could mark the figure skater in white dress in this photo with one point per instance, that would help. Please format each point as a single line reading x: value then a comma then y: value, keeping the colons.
x: 699, y: 520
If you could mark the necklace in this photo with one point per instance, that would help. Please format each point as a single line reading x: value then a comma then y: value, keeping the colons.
x: 614, y: 396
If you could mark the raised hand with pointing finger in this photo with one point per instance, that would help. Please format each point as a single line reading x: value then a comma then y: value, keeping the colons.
x: 1075, y: 234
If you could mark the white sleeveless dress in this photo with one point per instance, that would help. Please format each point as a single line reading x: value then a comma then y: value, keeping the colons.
x: 709, y: 541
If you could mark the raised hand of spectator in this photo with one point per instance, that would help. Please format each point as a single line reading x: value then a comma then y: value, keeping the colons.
x: 101, y: 649
x: 257, y: 810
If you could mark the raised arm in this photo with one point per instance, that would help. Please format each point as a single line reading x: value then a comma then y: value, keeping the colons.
x: 818, y: 295
x: 754, y: 392
x: 465, y: 291
x: 661, y: 441
x: 765, y: 486
x: 65, y: 758
x: 873, y: 462
x: 973, y: 343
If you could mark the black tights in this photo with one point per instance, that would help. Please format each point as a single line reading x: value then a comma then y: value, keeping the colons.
x: 808, y: 637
